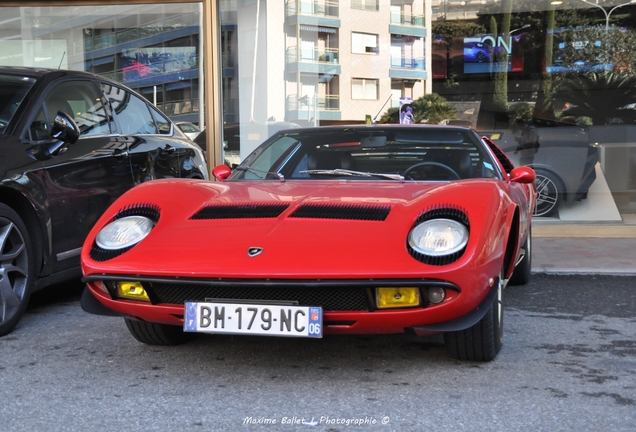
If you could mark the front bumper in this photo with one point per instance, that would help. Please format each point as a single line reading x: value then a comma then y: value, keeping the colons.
x: 461, y: 309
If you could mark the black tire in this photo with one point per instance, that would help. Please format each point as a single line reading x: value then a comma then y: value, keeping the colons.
x: 523, y: 270
x: 483, y: 341
x: 156, y: 334
x: 551, y: 193
x: 17, y: 269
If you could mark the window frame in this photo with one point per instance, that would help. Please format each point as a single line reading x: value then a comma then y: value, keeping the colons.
x: 366, y: 48
x: 367, y: 5
x: 364, y: 84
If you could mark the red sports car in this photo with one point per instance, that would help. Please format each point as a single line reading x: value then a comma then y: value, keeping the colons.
x: 329, y: 230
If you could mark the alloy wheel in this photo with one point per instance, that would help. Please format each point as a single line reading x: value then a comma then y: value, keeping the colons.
x: 549, y: 196
x: 14, y: 270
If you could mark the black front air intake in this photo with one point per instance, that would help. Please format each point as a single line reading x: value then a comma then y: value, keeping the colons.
x: 342, y: 211
x: 332, y: 298
x: 240, y: 211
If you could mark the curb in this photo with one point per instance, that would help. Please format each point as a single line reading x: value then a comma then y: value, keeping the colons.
x: 584, y: 271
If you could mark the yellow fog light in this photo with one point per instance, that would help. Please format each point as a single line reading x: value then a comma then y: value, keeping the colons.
x: 132, y: 290
x: 397, y: 297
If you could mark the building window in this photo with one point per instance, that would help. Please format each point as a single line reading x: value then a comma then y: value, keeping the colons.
x: 364, y: 88
x: 365, y: 4
x: 364, y: 43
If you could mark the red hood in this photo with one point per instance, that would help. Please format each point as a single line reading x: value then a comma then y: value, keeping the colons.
x: 311, y: 247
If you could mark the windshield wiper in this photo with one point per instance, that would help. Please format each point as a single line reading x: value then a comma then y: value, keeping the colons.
x: 258, y: 173
x: 339, y: 171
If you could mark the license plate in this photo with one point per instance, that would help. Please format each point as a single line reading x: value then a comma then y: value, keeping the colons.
x: 239, y: 318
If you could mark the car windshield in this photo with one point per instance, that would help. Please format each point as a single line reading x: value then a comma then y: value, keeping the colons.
x: 13, y: 89
x: 403, y: 153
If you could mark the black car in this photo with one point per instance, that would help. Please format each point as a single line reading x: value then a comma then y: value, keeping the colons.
x: 70, y: 144
x: 563, y: 159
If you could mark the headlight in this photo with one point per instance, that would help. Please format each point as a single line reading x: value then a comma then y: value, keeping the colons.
x: 124, y: 232
x: 438, y: 237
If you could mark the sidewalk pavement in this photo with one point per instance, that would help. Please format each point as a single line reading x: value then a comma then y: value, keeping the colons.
x: 584, y: 255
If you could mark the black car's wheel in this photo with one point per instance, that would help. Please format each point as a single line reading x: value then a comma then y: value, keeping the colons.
x: 484, y: 340
x: 16, y: 269
x: 551, y: 191
x: 156, y: 334
x: 523, y: 270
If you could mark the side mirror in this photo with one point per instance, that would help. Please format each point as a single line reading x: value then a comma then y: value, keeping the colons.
x: 65, y: 129
x: 47, y: 145
x: 221, y: 172
x: 522, y: 174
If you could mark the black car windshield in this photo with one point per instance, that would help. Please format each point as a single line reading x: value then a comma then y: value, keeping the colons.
x: 13, y: 89
x: 400, y: 153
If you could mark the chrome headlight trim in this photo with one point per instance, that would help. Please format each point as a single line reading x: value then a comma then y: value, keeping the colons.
x: 438, y: 258
x: 124, y: 232
x: 438, y: 237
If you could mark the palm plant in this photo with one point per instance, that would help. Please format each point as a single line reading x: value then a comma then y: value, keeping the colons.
x: 430, y: 108
x: 605, y: 97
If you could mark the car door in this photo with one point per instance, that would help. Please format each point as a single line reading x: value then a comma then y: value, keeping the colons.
x: 84, y: 178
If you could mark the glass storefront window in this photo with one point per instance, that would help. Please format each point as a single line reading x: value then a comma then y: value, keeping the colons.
x: 553, y: 83
x: 152, y: 48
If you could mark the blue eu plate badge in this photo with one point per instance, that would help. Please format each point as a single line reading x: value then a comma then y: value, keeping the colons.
x: 191, y: 317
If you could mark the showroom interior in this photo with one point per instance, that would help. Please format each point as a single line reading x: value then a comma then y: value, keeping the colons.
x: 243, y: 69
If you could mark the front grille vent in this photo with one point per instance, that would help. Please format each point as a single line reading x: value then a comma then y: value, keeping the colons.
x: 343, y: 211
x: 331, y: 298
x: 100, y: 255
x: 151, y: 211
x: 240, y: 211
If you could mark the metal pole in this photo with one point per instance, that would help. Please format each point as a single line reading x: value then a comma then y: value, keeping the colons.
x: 201, y: 94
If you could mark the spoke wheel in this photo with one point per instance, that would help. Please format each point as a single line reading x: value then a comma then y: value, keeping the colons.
x: 16, y: 269
x: 483, y: 341
x: 550, y: 193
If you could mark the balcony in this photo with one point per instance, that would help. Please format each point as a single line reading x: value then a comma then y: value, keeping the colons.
x: 314, y: 55
x: 326, y: 107
x: 408, y: 63
x: 408, y: 67
x: 407, y: 19
x: 323, y: 8
x: 313, y: 12
x: 407, y: 24
x: 153, y: 32
x: 312, y: 59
